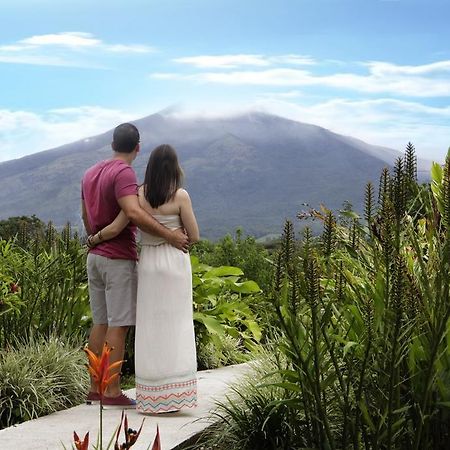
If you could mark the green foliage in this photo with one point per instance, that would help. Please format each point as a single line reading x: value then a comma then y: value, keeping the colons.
x: 230, y: 351
x: 222, y: 306
x: 21, y: 227
x: 48, y: 276
x: 250, y: 418
x: 40, y: 377
x: 238, y: 251
x: 363, y: 328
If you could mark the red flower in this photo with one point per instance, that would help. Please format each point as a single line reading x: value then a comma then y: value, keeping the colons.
x: 99, y: 368
x: 14, y: 287
x: 81, y: 445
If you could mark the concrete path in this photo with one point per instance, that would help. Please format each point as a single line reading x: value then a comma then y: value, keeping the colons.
x: 51, y: 432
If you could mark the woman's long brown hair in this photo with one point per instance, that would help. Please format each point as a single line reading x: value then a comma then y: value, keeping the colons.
x: 163, y: 175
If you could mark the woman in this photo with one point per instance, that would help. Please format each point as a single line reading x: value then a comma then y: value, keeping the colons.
x: 165, y: 356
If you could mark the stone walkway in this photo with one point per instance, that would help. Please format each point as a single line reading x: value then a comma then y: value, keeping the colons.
x: 51, y: 432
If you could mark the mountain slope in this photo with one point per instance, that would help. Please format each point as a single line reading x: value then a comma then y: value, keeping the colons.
x: 251, y: 170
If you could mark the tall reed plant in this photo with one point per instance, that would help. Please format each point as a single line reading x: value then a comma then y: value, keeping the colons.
x: 362, y: 328
x: 365, y: 313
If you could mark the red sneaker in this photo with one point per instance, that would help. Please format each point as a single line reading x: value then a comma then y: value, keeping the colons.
x: 119, y: 402
x: 92, y: 398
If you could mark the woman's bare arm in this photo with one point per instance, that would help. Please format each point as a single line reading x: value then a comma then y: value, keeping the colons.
x: 110, y: 231
x: 187, y: 216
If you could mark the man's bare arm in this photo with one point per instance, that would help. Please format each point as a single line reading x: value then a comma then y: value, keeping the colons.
x: 85, y: 218
x: 130, y: 206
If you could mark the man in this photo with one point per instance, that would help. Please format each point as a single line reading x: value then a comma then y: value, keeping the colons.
x: 108, y: 187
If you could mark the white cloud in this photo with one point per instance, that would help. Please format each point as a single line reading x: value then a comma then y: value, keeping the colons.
x: 66, y: 39
x: 383, y: 68
x: 238, y: 60
x: 381, y: 77
x: 65, y: 49
x: 223, y: 61
x: 23, y: 132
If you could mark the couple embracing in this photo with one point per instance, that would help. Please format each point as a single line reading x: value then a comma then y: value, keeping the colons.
x: 154, y: 294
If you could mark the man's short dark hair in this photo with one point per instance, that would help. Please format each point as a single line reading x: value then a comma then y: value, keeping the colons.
x: 125, y: 138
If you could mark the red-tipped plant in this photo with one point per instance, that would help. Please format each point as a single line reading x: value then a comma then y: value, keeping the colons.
x: 79, y: 445
x: 157, y: 441
x: 131, y: 436
x: 100, y: 369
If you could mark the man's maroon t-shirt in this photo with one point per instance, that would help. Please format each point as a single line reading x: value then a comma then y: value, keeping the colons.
x: 102, y: 185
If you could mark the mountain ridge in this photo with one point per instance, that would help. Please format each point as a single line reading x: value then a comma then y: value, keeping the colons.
x: 251, y: 170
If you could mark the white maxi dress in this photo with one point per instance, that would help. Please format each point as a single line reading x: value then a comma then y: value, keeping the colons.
x: 165, y: 356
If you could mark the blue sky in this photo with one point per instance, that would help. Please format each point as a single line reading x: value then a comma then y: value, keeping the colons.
x: 378, y: 70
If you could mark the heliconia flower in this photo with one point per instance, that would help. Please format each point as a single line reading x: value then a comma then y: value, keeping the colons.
x: 131, y: 436
x: 100, y: 368
x: 81, y: 445
x: 157, y: 441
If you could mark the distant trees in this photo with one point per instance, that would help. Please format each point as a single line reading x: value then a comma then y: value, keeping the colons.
x: 21, y: 225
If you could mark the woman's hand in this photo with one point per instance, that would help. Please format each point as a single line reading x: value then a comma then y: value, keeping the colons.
x: 94, y: 239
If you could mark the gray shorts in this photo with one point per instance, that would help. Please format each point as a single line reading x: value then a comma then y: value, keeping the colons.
x: 112, y: 290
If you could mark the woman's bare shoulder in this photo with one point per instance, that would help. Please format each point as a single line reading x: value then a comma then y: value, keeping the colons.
x: 181, y: 194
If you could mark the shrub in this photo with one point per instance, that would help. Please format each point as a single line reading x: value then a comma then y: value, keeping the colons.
x: 222, y: 307
x: 238, y: 251
x: 40, y: 377
x: 231, y: 351
x: 51, y: 295
x: 252, y: 416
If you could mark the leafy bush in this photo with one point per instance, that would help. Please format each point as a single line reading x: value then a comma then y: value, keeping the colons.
x: 20, y: 227
x: 230, y: 351
x: 222, y: 306
x: 40, y: 377
x: 364, y: 324
x: 238, y: 251
x: 51, y: 287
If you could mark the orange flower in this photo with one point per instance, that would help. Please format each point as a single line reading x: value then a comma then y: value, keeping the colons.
x: 100, y: 368
x: 81, y: 445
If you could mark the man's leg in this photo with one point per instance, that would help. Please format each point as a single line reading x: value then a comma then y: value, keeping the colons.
x: 97, y: 299
x: 121, y: 305
x: 115, y: 337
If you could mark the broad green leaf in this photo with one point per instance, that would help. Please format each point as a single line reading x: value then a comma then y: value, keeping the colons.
x: 223, y: 271
x: 246, y: 287
x: 212, y: 325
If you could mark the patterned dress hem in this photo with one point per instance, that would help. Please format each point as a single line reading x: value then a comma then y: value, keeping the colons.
x: 160, y: 398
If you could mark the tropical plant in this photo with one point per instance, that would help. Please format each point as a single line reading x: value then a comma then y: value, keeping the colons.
x: 50, y: 295
x: 222, y: 305
x: 365, y: 319
x: 100, y: 368
x: 363, y: 324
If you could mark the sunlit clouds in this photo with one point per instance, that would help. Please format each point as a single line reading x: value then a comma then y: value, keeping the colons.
x: 70, y: 49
